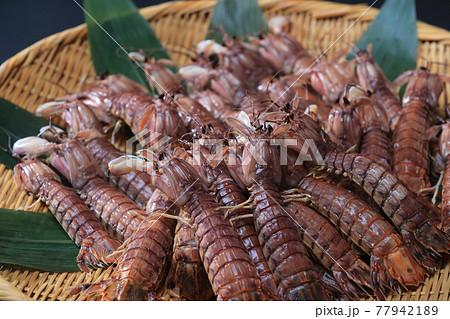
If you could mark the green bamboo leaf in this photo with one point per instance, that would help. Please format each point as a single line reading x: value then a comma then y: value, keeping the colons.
x: 35, y: 240
x: 393, y: 35
x: 15, y: 123
x: 114, y: 25
x: 5, y: 158
x: 238, y: 18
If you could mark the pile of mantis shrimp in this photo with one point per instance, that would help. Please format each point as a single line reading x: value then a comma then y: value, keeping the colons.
x: 264, y: 174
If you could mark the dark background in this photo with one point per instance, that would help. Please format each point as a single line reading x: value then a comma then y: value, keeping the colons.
x: 23, y: 22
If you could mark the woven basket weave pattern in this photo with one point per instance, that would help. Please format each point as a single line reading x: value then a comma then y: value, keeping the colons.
x: 58, y: 63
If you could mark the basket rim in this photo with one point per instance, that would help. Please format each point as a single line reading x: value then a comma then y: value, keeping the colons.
x: 185, y: 7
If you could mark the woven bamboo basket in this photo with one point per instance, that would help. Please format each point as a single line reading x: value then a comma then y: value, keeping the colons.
x: 28, y: 78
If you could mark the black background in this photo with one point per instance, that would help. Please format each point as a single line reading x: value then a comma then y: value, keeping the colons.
x: 23, y: 22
